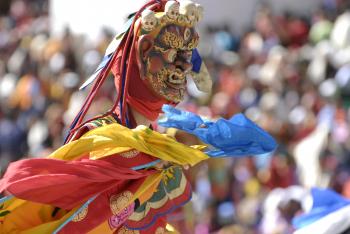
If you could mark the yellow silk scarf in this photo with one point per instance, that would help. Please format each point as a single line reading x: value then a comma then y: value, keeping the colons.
x: 114, y: 138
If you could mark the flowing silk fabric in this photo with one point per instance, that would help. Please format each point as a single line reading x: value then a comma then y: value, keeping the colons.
x: 28, y: 217
x: 237, y: 136
x: 114, y: 138
x: 64, y: 184
x: 96, y: 145
x: 31, y: 218
x: 99, y: 144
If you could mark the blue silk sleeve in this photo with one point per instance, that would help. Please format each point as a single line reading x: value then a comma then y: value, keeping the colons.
x: 237, y: 136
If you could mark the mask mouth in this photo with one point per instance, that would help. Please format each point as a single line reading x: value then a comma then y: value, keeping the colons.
x: 176, y: 80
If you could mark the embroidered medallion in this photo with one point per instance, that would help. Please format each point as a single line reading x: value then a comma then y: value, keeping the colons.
x: 130, y: 154
x: 116, y: 220
x: 81, y: 215
x: 120, y: 202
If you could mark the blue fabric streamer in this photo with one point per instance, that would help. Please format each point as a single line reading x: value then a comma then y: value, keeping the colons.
x: 126, y: 26
x: 325, y: 202
x: 86, y: 204
x: 5, y: 199
x: 100, y: 67
x: 196, y: 61
x: 237, y: 136
x: 73, y: 125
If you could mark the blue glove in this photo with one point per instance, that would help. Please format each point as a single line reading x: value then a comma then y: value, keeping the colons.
x: 183, y: 120
x: 235, y: 137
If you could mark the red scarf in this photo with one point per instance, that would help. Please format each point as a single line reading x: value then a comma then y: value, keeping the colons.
x: 64, y: 184
x: 139, y: 95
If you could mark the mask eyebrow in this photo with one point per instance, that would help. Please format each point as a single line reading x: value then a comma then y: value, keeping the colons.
x: 161, y: 49
x: 173, y: 37
x: 172, y: 40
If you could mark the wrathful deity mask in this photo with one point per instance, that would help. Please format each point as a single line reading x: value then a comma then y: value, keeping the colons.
x: 165, y: 61
x: 165, y: 45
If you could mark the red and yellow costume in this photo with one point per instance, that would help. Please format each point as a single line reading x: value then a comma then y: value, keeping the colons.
x: 105, y: 178
x: 126, y: 199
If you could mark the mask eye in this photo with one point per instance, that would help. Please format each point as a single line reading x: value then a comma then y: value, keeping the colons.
x: 170, y: 55
x: 187, y: 55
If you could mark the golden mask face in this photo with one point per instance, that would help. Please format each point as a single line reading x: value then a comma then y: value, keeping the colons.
x: 169, y: 61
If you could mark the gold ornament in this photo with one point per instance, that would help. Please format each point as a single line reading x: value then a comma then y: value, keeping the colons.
x: 186, y: 13
x: 120, y: 202
x: 130, y: 154
x: 81, y: 215
x: 172, y: 40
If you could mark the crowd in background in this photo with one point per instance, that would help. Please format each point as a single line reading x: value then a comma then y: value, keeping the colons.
x: 288, y: 73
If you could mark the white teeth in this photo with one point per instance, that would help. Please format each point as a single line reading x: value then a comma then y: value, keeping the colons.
x: 175, y: 81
